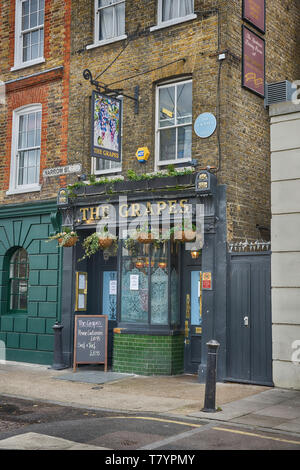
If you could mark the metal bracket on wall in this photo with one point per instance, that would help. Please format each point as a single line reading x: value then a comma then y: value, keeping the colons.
x: 115, y: 93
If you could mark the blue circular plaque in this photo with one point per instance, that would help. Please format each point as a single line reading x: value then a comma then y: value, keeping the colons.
x: 205, y: 125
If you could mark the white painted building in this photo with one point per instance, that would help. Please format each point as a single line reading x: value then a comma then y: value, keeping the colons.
x: 285, y: 237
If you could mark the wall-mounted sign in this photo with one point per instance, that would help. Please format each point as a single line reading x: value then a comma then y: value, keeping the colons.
x: 254, y: 12
x: 62, y: 170
x: 142, y: 154
x: 81, y: 291
x: 205, y: 183
x: 253, y: 63
x: 62, y: 197
x: 207, y: 281
x: 106, y: 127
x: 205, y: 125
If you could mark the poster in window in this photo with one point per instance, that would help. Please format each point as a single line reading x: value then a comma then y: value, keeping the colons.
x: 106, y: 127
x: 253, y: 65
x: 254, y: 12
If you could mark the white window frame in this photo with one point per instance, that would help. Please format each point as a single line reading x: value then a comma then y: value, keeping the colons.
x: 158, y: 162
x: 165, y: 24
x: 14, y: 188
x: 97, y: 42
x: 18, y: 62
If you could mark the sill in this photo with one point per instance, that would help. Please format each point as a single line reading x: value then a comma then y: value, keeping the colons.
x: 28, y: 64
x: 22, y: 190
x: 173, y: 162
x: 108, y: 171
x: 106, y: 41
x: 173, y: 22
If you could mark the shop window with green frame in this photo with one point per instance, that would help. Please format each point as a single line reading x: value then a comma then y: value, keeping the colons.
x: 149, y: 284
x: 18, y: 281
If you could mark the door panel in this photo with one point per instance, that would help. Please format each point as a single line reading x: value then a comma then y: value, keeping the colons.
x: 249, y: 320
x: 193, y: 320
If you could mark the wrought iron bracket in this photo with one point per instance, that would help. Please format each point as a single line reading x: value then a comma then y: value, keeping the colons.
x: 100, y: 87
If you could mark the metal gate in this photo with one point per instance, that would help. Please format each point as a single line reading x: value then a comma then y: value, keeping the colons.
x: 249, y: 327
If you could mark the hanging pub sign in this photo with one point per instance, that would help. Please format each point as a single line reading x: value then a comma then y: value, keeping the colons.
x: 106, y: 127
x: 253, y: 65
x: 254, y: 12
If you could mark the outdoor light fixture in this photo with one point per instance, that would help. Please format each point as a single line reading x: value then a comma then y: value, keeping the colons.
x: 195, y: 254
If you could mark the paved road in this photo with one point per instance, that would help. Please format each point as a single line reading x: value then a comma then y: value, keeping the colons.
x: 35, y: 425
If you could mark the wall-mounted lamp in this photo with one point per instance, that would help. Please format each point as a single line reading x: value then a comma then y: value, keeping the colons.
x: 195, y: 254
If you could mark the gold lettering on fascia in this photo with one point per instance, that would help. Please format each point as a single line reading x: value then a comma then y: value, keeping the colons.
x: 136, y: 210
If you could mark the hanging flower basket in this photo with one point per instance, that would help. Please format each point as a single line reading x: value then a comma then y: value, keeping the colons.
x: 187, y: 235
x: 98, y: 241
x: 65, y: 238
x: 146, y: 237
x: 105, y: 242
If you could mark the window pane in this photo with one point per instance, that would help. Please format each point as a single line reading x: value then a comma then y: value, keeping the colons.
x: 134, y: 289
x: 169, y: 9
x: 167, y: 150
x: 186, y: 7
x: 185, y: 142
x: 106, y: 23
x: 159, y: 285
x: 184, y: 103
x: 25, y: 8
x: 166, y: 106
x: 119, y: 20
x: 104, y: 3
x: 25, y: 22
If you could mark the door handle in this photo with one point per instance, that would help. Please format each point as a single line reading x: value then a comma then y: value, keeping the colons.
x: 246, y: 321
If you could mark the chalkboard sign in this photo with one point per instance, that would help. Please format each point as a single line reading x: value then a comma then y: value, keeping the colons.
x: 90, y: 341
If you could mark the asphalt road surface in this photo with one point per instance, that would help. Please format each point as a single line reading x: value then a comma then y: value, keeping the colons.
x: 160, y: 436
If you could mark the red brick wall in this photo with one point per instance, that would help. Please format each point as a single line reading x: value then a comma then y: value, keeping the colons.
x: 48, y: 84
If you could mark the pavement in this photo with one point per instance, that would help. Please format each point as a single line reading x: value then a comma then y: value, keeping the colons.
x: 178, y: 396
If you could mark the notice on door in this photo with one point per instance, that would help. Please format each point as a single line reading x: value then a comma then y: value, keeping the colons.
x: 134, y: 282
x: 113, y: 287
x: 90, y: 340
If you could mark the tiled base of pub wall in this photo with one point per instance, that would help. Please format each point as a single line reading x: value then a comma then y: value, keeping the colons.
x: 147, y: 354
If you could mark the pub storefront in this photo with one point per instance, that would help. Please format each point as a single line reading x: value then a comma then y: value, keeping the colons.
x: 157, y: 288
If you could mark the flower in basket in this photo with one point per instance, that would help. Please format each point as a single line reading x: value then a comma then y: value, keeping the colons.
x: 66, y: 237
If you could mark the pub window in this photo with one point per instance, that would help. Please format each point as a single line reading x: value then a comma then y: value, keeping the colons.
x: 18, y: 281
x: 29, y: 32
x: 149, y: 284
x: 174, y: 123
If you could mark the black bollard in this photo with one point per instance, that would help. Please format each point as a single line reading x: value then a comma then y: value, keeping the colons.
x: 58, y: 363
x: 211, y: 375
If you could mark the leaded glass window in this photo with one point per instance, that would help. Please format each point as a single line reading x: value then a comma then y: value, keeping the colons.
x: 149, y: 284
x: 18, y: 280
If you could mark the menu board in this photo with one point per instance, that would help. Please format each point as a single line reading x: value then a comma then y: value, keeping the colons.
x: 90, y: 340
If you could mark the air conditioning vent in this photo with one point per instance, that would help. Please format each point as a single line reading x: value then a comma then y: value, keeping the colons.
x: 278, y: 92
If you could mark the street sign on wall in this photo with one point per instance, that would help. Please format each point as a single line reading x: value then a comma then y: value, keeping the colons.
x: 62, y: 170
x: 253, y: 62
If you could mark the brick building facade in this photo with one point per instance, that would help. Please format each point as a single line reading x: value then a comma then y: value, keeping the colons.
x: 188, y: 53
x: 34, y: 73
